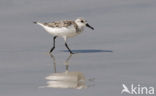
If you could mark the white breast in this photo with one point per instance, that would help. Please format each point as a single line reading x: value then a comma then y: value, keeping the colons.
x: 63, y: 31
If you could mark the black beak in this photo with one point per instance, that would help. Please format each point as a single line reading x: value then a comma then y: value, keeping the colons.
x: 89, y: 26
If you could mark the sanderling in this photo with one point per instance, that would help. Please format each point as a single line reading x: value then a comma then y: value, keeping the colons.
x: 65, y: 29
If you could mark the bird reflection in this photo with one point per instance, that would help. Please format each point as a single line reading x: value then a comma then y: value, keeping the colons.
x: 65, y: 79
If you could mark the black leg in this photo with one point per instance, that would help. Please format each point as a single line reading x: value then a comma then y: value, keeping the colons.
x: 53, y: 44
x: 68, y: 48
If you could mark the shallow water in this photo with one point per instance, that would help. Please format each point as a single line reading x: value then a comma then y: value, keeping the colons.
x: 121, y: 49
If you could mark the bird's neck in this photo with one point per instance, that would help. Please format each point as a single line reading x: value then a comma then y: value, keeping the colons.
x: 81, y: 28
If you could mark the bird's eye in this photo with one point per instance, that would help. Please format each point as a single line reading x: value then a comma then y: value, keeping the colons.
x: 82, y: 21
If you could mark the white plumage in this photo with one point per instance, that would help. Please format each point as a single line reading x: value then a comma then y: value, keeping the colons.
x: 69, y: 31
x: 64, y: 29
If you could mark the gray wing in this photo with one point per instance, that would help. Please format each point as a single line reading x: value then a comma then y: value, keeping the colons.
x: 59, y: 23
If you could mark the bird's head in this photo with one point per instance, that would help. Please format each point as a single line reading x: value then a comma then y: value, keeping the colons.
x: 82, y: 23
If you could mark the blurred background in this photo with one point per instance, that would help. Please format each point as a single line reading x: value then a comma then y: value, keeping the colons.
x: 120, y: 50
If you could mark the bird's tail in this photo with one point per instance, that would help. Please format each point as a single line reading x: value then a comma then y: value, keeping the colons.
x: 35, y: 22
x: 39, y: 23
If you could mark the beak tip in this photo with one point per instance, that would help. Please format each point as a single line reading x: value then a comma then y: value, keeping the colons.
x: 92, y: 28
x: 89, y: 26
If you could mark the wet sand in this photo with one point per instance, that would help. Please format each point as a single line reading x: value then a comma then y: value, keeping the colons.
x: 121, y: 49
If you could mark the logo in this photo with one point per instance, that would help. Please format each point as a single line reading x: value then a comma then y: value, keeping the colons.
x: 138, y: 89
